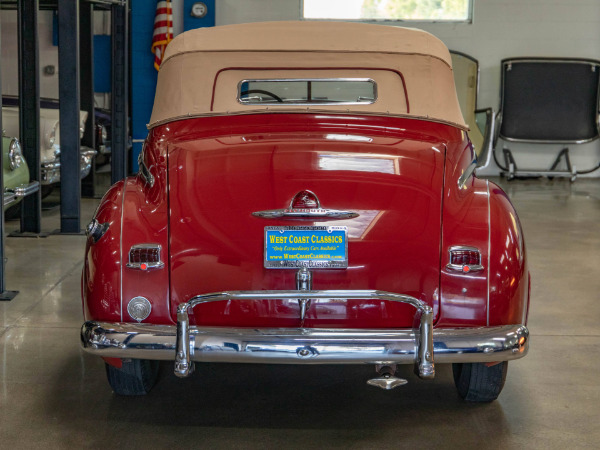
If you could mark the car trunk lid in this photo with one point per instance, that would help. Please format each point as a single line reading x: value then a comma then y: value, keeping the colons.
x: 393, y: 183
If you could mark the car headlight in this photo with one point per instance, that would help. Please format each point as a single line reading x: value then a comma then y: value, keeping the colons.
x: 15, y: 156
x: 103, y: 133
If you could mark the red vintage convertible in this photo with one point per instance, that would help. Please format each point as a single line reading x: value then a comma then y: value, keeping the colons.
x: 306, y: 195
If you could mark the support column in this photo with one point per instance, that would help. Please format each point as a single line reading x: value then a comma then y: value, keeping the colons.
x: 29, y: 110
x: 120, y: 90
x: 4, y: 294
x: 86, y: 74
x: 68, y: 92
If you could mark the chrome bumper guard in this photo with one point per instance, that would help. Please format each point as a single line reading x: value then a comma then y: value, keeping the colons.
x: 50, y: 171
x: 186, y: 344
x: 12, y: 195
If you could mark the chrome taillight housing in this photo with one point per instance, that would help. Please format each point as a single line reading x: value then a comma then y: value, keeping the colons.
x: 145, y: 257
x: 464, y: 259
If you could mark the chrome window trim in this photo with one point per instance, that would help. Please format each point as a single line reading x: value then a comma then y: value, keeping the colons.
x: 306, y: 103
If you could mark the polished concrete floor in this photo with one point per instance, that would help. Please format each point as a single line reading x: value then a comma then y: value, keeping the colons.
x: 52, y: 395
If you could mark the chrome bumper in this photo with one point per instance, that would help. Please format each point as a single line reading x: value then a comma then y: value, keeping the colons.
x: 11, y: 196
x: 50, y: 171
x: 420, y: 346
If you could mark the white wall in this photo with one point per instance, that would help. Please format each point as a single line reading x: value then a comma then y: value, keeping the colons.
x: 10, y: 56
x: 500, y: 29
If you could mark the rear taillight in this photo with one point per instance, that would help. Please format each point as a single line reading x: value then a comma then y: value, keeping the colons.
x: 464, y: 259
x: 144, y: 257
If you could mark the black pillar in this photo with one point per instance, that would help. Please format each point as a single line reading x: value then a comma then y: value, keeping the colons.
x: 86, y: 65
x: 29, y: 109
x: 68, y: 94
x: 4, y: 294
x: 120, y: 90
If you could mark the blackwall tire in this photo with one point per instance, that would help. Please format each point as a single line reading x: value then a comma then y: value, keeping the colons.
x: 477, y: 382
x: 135, y: 377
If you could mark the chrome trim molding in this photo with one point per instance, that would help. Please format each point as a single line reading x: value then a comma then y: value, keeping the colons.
x: 305, y: 213
x: 11, y: 196
x: 458, y: 267
x: 8, y: 198
x: 26, y: 189
x: 489, y: 219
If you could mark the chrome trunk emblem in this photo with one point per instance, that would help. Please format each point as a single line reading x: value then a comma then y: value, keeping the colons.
x: 305, y: 205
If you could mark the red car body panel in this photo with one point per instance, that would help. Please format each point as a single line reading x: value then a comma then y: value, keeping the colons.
x: 209, y: 180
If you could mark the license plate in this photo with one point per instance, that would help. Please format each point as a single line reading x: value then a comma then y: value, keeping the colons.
x: 318, y: 247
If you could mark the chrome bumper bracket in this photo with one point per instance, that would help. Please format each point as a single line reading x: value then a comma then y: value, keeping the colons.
x: 424, y: 364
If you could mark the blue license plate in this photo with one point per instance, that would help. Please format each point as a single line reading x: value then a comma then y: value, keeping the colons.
x: 318, y: 247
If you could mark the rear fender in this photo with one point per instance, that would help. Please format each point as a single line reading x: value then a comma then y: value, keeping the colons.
x: 137, y: 213
x: 101, y: 279
x: 509, y: 276
x: 145, y: 221
x: 464, y: 296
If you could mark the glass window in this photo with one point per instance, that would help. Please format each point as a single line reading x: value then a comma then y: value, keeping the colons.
x: 308, y: 91
x: 405, y: 10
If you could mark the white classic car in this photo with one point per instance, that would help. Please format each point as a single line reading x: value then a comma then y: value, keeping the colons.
x: 49, y: 141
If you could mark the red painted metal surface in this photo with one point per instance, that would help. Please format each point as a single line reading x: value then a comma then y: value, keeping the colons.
x: 400, y: 175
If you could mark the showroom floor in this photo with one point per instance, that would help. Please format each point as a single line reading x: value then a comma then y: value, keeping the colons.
x: 52, y: 395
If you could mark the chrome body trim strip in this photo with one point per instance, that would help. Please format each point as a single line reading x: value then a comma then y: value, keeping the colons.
x: 304, y: 345
x: 11, y: 196
x: 489, y: 219
x: 26, y: 189
x: 301, y: 213
x: 121, y: 244
x: 8, y: 198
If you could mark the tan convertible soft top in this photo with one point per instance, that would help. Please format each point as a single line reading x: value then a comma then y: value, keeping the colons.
x: 203, y: 68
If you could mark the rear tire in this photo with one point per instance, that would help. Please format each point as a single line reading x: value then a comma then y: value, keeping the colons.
x: 135, y: 377
x: 477, y: 382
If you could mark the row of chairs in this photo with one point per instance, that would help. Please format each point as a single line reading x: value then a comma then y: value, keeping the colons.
x: 542, y: 101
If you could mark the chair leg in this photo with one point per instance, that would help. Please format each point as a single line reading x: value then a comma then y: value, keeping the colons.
x: 510, y: 162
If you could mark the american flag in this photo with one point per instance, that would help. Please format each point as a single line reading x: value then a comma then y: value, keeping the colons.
x: 163, y: 30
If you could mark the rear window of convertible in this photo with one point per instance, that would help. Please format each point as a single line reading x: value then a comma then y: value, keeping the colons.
x: 334, y: 91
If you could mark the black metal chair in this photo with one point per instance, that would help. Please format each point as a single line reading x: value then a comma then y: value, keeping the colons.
x: 548, y: 101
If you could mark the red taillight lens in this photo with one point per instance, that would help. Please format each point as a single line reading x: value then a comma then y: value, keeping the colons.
x: 144, y: 257
x: 305, y: 200
x: 465, y: 259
